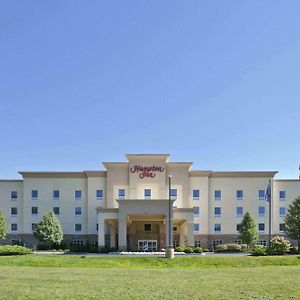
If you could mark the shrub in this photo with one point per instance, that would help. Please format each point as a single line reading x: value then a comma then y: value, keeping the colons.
x: 259, y: 250
x: 14, y: 250
x: 198, y: 250
x: 188, y: 250
x: 279, y: 246
x: 179, y: 249
x: 233, y: 248
x: 205, y: 250
x: 221, y: 248
x: 293, y: 250
x: 244, y: 247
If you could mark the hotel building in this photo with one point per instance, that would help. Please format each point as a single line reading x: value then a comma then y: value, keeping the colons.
x: 126, y: 205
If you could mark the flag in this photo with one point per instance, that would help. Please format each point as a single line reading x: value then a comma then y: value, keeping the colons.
x: 268, y: 193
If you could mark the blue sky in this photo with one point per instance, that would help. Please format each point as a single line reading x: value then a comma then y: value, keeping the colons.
x: 213, y: 82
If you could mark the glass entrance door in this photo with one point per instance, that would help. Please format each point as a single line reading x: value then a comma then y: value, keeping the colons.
x: 147, y: 245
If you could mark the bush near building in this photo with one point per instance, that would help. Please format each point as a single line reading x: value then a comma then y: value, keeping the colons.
x: 279, y: 246
x: 228, y: 248
x: 14, y: 250
x: 259, y: 250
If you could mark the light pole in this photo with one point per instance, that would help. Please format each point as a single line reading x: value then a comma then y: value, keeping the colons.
x: 170, y: 249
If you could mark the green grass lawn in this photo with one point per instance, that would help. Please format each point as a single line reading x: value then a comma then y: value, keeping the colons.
x: 68, y: 277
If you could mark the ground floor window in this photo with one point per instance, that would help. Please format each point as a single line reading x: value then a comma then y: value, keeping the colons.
x: 78, y: 242
x: 261, y: 242
x: 147, y: 245
x: 197, y: 243
x: 238, y: 242
x: 216, y: 243
x: 15, y: 242
x: 176, y: 244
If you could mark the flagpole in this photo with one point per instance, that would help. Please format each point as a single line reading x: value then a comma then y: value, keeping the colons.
x: 270, y: 213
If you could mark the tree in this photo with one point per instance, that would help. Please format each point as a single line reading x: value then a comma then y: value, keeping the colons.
x: 3, y: 227
x: 49, y: 230
x: 292, y: 221
x: 248, y: 230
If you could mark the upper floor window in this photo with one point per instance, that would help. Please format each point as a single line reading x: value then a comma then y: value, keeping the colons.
x: 56, y: 210
x: 282, y: 195
x: 14, y: 211
x: 261, y: 211
x: 196, y: 211
x: 99, y: 194
x: 239, y: 211
x: 281, y: 227
x: 239, y: 194
x: 261, y: 226
x: 78, y: 195
x: 147, y: 227
x: 238, y: 227
x: 34, y: 210
x: 218, y: 195
x: 78, y: 227
x: 121, y: 193
x: 282, y: 211
x: 196, y: 194
x: 261, y: 194
x: 78, y: 211
x: 55, y: 194
x: 217, y: 227
x: 14, y: 195
x: 33, y: 227
x: 197, y: 227
x: 217, y: 211
x: 34, y: 194
x: 147, y: 193
x: 14, y: 227
x: 173, y: 194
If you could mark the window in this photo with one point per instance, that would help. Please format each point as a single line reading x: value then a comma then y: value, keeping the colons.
x: 77, y: 211
x: 121, y: 193
x: 282, y: 195
x: 78, y: 242
x: 238, y: 227
x: 261, y: 242
x: 56, y: 210
x: 77, y: 227
x: 34, y: 210
x: 239, y: 194
x: 14, y: 211
x: 197, y: 243
x: 239, y: 211
x: 56, y: 195
x: 147, y: 193
x: 78, y: 195
x: 261, y: 211
x: 239, y: 242
x: 261, y: 194
x: 14, y: 227
x: 261, y: 226
x: 196, y: 227
x: 217, y: 211
x: 196, y: 211
x: 15, y: 242
x: 281, y: 227
x: 97, y: 226
x: 99, y: 194
x: 14, y: 195
x: 216, y: 243
x: 218, y: 195
x: 282, y: 211
x: 33, y: 227
x: 34, y: 194
x: 175, y: 229
x: 217, y: 227
x: 196, y: 194
x: 173, y: 194
x: 147, y: 227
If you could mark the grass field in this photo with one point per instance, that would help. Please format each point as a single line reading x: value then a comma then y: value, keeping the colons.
x: 68, y: 277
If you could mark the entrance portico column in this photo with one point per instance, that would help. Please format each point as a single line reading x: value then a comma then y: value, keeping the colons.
x: 101, y: 231
x: 112, y: 232
x: 190, y: 234
x: 181, y: 236
x: 122, y: 232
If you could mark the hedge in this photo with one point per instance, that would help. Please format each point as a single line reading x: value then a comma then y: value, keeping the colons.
x: 14, y: 250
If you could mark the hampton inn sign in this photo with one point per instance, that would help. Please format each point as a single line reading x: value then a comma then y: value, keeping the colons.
x: 146, y: 171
